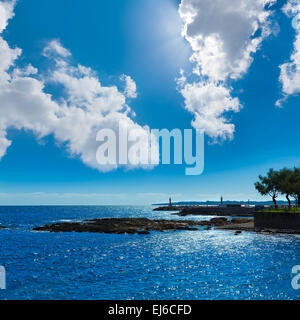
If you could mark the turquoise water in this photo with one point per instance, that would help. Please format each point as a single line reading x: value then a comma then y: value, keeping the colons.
x: 200, y: 264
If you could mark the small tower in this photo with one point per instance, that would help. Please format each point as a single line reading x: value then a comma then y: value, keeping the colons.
x: 170, y: 203
x: 221, y: 201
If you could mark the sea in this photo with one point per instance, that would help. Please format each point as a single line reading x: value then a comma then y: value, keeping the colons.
x: 190, y: 265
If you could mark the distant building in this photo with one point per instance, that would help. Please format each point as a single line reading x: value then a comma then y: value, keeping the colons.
x: 170, y: 203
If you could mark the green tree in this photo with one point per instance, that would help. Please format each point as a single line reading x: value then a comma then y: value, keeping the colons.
x: 286, y: 183
x: 269, y: 185
x: 295, y: 185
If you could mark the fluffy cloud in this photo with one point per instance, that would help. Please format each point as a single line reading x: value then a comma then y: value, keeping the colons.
x: 208, y: 102
x: 74, y: 119
x: 290, y: 71
x: 130, y: 86
x: 223, y: 35
x: 54, y: 48
x: 6, y: 13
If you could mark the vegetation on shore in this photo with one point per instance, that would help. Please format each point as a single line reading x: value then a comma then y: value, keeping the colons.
x: 285, y: 181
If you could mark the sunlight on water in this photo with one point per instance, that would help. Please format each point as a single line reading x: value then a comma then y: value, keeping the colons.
x: 201, y: 264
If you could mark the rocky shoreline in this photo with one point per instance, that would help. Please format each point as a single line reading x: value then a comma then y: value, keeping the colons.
x: 144, y: 226
x: 135, y: 225
x: 172, y: 208
x: 249, y: 227
x: 184, y: 211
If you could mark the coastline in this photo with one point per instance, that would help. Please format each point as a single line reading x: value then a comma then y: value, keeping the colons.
x: 249, y: 227
x: 228, y: 212
x: 141, y: 226
x: 184, y: 211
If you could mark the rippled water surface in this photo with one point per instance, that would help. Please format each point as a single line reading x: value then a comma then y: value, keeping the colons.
x: 171, y: 265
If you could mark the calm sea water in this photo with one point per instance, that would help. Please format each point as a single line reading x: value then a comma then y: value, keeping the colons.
x: 171, y: 265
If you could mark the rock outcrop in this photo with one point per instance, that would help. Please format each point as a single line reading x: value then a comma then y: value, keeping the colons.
x: 130, y: 225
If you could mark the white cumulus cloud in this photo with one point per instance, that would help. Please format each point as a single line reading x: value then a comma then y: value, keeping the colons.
x: 223, y: 35
x: 6, y: 13
x: 208, y: 102
x: 54, y: 47
x: 290, y: 71
x: 130, y: 86
x: 74, y: 119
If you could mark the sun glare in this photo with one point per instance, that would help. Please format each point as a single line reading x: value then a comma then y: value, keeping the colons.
x: 159, y: 27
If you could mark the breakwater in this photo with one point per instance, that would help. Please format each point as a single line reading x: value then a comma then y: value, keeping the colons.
x: 212, y: 211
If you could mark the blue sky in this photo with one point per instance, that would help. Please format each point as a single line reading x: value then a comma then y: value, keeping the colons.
x: 143, y: 39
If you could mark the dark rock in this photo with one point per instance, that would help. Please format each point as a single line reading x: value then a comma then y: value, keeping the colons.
x: 168, y: 208
x: 120, y: 226
x: 130, y: 225
x: 143, y: 232
x: 213, y: 211
x: 239, y: 220
x: 219, y: 221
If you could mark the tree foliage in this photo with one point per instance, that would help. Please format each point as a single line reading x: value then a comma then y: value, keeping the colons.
x: 285, y: 181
